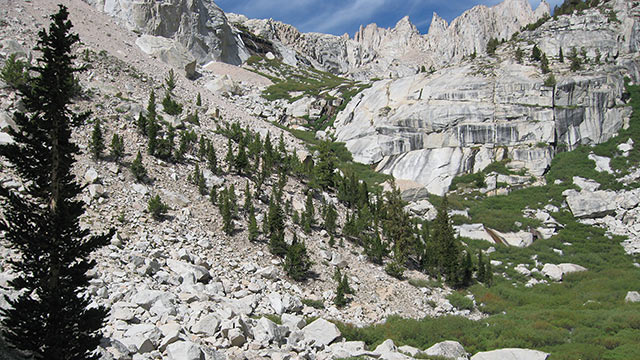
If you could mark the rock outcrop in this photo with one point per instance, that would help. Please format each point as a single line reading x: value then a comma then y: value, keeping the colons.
x: 200, y: 26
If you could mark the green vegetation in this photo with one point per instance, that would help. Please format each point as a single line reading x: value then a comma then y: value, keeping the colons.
x: 156, y: 207
x: 569, y: 6
x: 460, y: 301
x: 15, y: 72
x: 492, y: 46
x: 96, y: 143
x: 137, y: 168
x: 535, y: 25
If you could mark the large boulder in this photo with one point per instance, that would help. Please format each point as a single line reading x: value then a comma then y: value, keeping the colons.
x: 321, y: 333
x: 388, y: 351
x: 511, y: 354
x: 170, y: 52
x: 186, y: 270
x: 184, y: 350
x: 448, y: 350
x: 591, y: 204
x: 207, y: 325
x: 266, y: 332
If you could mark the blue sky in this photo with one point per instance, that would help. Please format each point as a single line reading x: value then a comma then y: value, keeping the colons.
x: 345, y: 16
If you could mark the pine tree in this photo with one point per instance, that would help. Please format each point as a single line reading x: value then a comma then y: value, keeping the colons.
x: 340, y: 300
x: 96, y: 143
x: 229, y: 158
x: 323, y: 172
x: 198, y: 100
x: 226, y: 212
x: 213, y: 195
x: 212, y: 159
x: 241, y: 162
x: 309, y: 213
x: 151, y: 107
x: 330, y: 218
x: 296, y: 261
x: 345, y: 285
x: 445, y: 241
x: 376, y: 249
x: 248, y: 198
x: 560, y: 56
x: 274, y: 228
x: 141, y: 123
x: 117, y: 147
x: 137, y: 168
x: 544, y: 64
x: 467, y: 271
x: 488, y: 273
x: 152, y: 134
x: 253, y: 225
x: 51, y: 317
x: 536, y: 53
x: 519, y: 55
x: 156, y: 207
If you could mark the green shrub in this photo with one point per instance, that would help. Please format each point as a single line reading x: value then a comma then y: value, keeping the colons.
x: 156, y: 207
x: 137, y: 168
x: 460, y: 301
x: 14, y: 72
x: 171, y: 106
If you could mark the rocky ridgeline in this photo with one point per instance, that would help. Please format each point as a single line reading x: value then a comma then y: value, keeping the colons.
x: 402, y: 50
x: 430, y: 128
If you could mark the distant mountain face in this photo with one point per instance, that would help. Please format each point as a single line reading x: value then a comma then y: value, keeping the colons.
x: 200, y: 25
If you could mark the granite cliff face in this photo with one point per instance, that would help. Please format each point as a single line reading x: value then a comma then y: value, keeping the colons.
x: 430, y: 128
x: 200, y: 26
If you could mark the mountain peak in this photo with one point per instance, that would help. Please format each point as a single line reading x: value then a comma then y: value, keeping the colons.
x: 438, y: 24
x: 406, y: 26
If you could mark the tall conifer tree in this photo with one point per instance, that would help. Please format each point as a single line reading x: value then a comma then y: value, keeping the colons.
x: 51, y: 317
